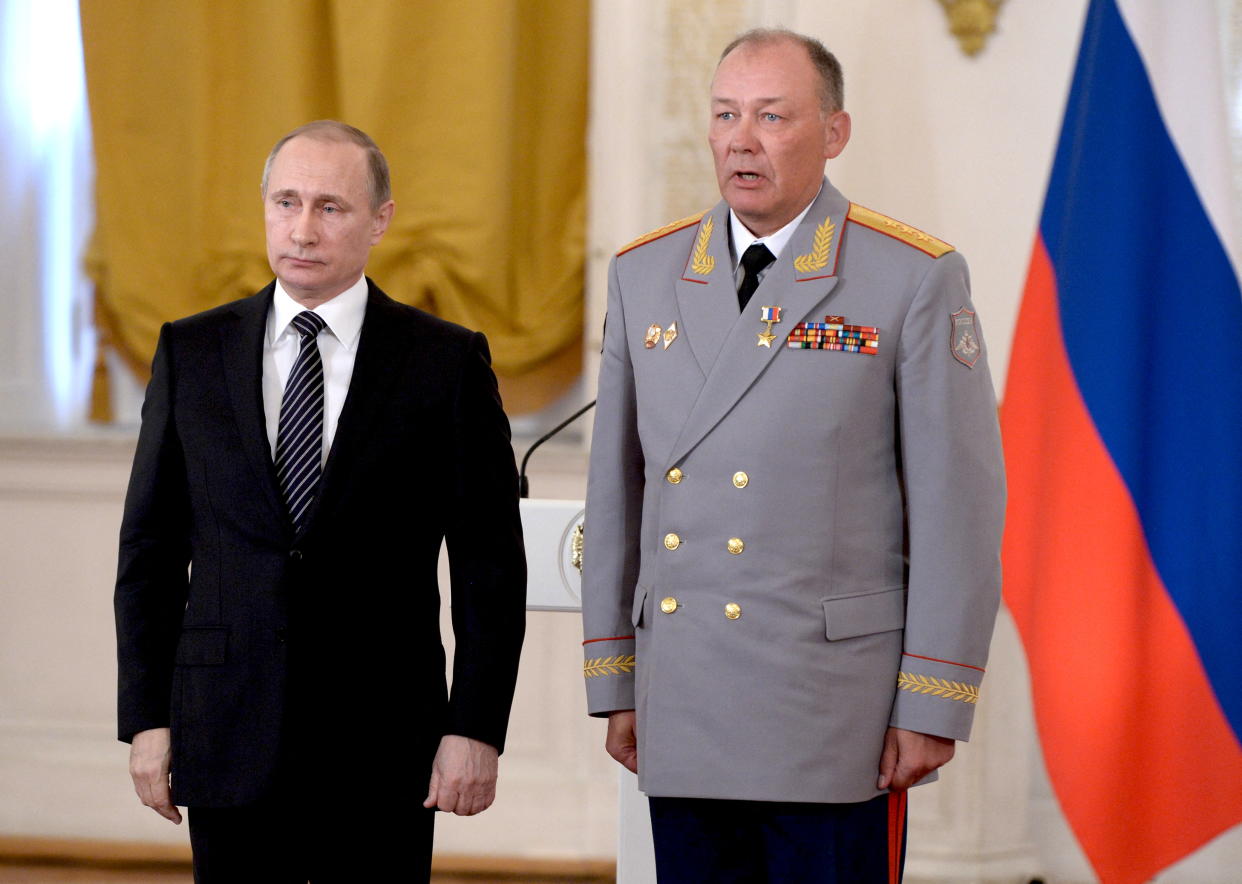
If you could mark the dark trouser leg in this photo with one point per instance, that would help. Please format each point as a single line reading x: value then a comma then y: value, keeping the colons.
x: 712, y: 842
x: 292, y: 842
x: 239, y: 845
x: 379, y: 843
x: 702, y: 840
x: 861, y: 843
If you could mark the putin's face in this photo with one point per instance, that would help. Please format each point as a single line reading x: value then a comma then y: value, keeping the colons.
x: 320, y: 222
x: 769, y: 133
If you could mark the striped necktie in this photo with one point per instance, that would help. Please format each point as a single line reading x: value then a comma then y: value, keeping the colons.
x: 299, y: 439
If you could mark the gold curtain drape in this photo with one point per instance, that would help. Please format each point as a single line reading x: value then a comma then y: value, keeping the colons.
x: 480, y: 106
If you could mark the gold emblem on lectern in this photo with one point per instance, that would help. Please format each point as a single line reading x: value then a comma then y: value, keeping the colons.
x: 575, y: 546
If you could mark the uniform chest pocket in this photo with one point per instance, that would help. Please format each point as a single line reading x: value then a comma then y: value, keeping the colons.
x: 864, y: 613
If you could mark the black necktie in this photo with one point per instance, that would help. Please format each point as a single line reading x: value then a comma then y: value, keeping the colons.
x: 754, y: 261
x: 299, y: 439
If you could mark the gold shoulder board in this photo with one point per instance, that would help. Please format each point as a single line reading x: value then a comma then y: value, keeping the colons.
x: 924, y: 242
x: 661, y: 231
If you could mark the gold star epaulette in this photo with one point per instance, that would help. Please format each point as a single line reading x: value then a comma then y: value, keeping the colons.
x: 661, y: 231
x: 924, y: 242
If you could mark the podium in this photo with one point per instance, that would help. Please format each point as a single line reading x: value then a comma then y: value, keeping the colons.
x: 553, y: 536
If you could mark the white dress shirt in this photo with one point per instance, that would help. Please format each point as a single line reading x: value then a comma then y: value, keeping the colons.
x: 338, y: 345
x: 742, y: 239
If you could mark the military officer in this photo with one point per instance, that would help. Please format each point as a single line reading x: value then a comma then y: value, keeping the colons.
x: 795, y: 502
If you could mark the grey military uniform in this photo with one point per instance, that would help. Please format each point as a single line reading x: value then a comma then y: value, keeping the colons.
x: 788, y: 549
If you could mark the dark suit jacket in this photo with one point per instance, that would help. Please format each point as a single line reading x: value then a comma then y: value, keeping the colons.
x: 277, y: 648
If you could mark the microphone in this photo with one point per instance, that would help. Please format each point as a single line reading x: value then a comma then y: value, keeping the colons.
x: 523, y: 483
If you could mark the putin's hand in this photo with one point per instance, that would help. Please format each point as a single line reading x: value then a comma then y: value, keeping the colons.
x: 150, y: 757
x: 463, y: 776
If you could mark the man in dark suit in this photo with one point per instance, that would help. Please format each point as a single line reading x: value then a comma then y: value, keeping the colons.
x: 303, y: 454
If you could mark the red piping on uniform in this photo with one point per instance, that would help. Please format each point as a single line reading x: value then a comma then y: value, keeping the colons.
x: 950, y: 662
x: 613, y: 638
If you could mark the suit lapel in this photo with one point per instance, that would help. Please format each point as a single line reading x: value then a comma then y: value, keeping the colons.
x: 241, y: 346
x: 705, y: 292
x: 378, y: 364
x: 802, y: 277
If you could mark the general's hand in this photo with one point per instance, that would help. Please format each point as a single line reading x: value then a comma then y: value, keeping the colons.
x: 909, y: 756
x: 622, y: 739
x: 150, y: 755
x: 463, y: 776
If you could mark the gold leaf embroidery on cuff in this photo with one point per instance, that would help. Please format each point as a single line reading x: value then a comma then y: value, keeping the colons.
x: 608, y: 665
x: 938, y: 687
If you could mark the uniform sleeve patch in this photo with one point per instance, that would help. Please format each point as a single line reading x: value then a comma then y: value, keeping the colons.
x: 964, y: 337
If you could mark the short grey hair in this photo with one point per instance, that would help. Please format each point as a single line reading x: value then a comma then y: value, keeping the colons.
x: 378, y: 183
x: 831, y: 79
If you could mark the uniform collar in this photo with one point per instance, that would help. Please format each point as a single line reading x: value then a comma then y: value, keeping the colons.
x: 743, y: 239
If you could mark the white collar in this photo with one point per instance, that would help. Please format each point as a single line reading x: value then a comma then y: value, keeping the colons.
x: 776, y: 242
x: 342, y: 314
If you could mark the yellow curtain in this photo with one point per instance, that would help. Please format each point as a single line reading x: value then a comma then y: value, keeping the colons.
x: 479, y: 105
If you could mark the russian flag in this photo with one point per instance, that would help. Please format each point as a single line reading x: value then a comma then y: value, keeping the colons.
x: 1122, y: 424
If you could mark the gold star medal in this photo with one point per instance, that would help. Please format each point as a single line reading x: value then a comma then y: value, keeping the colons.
x: 768, y: 315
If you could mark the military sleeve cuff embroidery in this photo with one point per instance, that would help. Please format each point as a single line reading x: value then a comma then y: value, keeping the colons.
x: 619, y: 664
x: 938, y: 687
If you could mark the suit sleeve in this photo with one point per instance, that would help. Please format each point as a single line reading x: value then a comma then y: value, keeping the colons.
x: 611, y: 532
x: 953, y: 473
x: 487, y: 560
x: 152, y: 568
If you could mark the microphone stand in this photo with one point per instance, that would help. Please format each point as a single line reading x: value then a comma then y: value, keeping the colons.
x: 523, y: 484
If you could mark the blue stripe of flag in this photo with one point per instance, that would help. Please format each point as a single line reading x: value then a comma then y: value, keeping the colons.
x: 1134, y: 255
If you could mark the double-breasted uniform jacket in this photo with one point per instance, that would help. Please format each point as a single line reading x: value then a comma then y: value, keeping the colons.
x: 791, y: 544
x: 315, y: 651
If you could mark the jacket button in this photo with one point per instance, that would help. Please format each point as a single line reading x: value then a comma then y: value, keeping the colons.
x: 733, y: 610
x: 281, y: 635
x: 735, y: 546
x: 668, y: 605
x: 295, y: 555
x: 740, y: 479
x: 674, y: 476
x: 671, y: 541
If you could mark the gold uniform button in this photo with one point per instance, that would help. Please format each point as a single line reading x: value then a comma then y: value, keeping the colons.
x: 671, y: 541
x: 733, y: 610
x: 668, y: 605
x: 736, y: 546
x: 674, y: 476
x: 740, y: 479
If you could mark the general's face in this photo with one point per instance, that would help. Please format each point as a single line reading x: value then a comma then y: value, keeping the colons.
x: 320, y: 224
x: 769, y: 134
